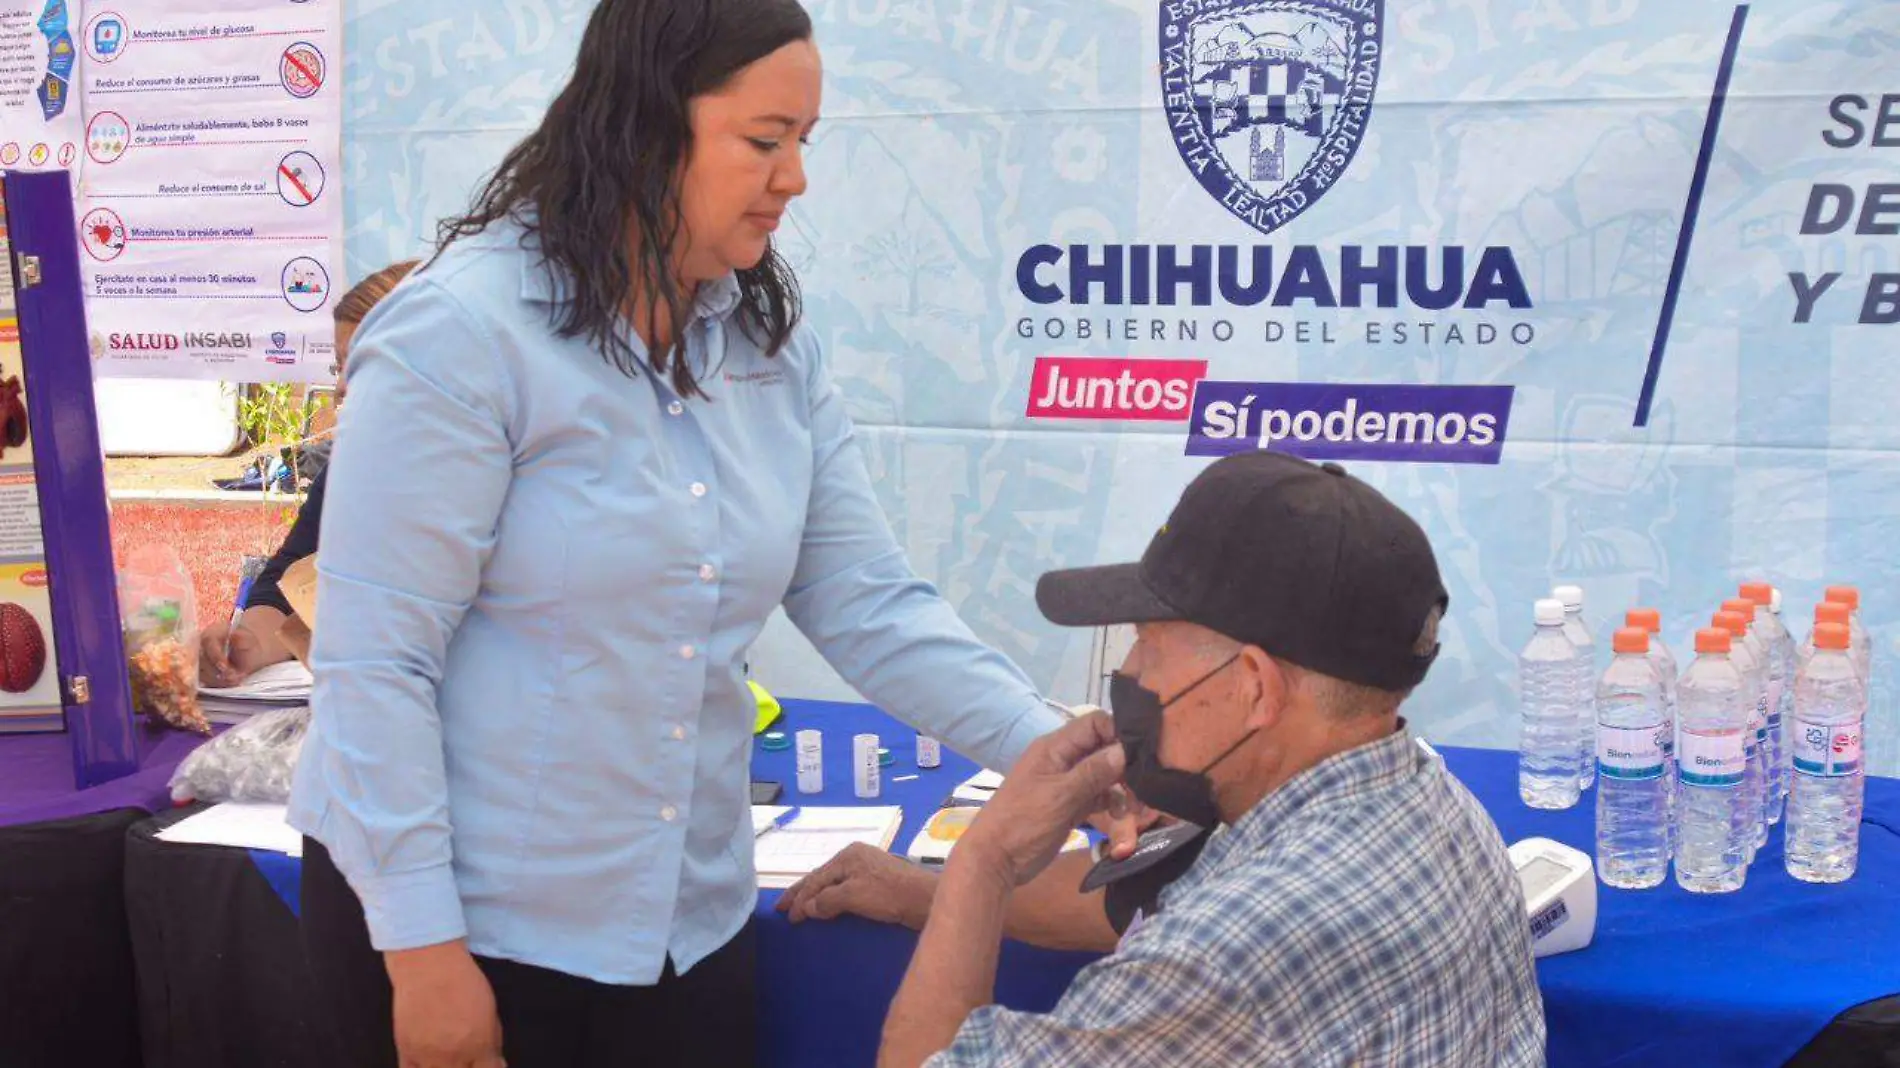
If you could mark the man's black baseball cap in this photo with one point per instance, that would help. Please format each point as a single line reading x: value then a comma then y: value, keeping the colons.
x: 1302, y: 560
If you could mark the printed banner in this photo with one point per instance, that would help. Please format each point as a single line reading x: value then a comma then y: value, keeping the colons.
x: 29, y: 670
x: 213, y: 210
x: 39, y: 106
x: 1635, y: 259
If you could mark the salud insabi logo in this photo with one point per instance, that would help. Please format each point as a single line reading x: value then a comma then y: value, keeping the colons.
x: 1268, y: 101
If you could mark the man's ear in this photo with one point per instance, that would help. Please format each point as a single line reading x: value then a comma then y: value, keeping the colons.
x: 1266, y: 687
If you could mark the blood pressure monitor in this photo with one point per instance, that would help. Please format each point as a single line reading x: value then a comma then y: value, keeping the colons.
x: 1560, y: 895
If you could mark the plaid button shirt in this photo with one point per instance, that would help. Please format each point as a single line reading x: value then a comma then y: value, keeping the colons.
x: 1365, y: 913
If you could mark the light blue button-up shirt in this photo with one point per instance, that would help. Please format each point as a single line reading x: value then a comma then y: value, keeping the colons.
x: 538, y: 581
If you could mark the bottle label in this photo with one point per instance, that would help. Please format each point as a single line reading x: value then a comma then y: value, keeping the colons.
x: 1827, y: 751
x: 1631, y: 752
x: 1713, y: 759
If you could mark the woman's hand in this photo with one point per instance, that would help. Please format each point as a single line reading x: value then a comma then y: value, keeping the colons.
x: 228, y: 655
x: 445, y: 1009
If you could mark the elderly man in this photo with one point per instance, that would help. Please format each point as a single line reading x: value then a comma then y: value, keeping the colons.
x: 1355, y: 905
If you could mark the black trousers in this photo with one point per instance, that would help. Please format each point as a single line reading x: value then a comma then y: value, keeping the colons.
x: 706, y: 1018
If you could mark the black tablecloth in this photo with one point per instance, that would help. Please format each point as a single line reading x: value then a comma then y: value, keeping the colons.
x: 65, y: 947
x: 221, y: 975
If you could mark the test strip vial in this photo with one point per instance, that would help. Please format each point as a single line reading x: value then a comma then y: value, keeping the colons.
x: 929, y: 752
x: 811, y: 762
x: 864, y: 764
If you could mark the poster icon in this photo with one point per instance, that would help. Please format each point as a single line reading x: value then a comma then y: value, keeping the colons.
x: 306, y: 284
x: 67, y: 153
x: 39, y: 155
x: 10, y: 153
x: 108, y: 135
x: 299, y: 179
x: 302, y: 70
x: 105, y: 38
x: 102, y: 233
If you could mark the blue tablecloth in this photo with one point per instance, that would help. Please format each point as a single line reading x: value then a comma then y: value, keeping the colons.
x: 1676, y: 978
x: 1672, y: 978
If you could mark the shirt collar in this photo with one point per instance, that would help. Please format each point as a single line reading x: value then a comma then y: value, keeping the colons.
x: 1340, y: 775
x: 549, y: 283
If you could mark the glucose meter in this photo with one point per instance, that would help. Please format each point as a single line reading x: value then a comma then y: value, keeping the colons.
x: 1560, y: 895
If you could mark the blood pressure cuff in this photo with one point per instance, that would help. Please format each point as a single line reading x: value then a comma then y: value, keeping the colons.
x: 1134, y: 885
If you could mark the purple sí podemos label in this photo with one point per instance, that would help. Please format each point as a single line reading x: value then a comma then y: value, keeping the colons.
x: 1332, y: 421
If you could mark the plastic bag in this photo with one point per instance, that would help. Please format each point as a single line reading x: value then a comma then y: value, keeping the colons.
x: 161, y: 636
x: 252, y: 761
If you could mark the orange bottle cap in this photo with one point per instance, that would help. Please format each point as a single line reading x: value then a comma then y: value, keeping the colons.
x: 1733, y: 622
x: 1712, y: 640
x: 1740, y: 605
x: 1630, y: 640
x: 1759, y: 592
x: 1831, y: 612
x: 1847, y: 595
x: 1647, y: 618
x: 1830, y: 636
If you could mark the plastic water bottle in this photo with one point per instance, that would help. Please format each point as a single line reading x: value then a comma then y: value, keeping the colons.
x: 1824, y: 802
x: 1751, y: 661
x: 1711, y: 848
x: 1762, y: 759
x: 1583, y: 683
x: 1547, y: 751
x: 1632, y: 803
x: 1650, y: 620
x: 1860, y: 644
x: 1781, y: 669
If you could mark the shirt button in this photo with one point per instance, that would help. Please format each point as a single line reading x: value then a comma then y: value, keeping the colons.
x: 679, y: 733
x: 706, y: 573
x: 675, y: 408
x: 699, y: 489
x: 669, y: 813
x: 687, y: 652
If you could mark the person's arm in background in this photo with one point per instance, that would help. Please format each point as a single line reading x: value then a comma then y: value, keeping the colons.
x: 886, y: 631
x: 422, y: 466
x: 253, y: 643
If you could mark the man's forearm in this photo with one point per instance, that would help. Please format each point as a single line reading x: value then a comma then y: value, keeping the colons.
x: 1051, y: 910
x: 953, y: 971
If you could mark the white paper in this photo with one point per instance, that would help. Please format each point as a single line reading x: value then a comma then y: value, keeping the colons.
x: 817, y: 834
x: 40, y: 124
x: 285, y: 683
x: 212, y: 214
x: 238, y: 824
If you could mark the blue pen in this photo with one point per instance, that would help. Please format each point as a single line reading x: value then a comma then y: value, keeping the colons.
x: 782, y: 819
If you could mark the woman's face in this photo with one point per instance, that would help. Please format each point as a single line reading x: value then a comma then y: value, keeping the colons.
x: 345, y: 333
x: 747, y: 161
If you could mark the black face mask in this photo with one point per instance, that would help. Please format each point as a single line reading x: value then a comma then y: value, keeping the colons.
x: 1188, y: 795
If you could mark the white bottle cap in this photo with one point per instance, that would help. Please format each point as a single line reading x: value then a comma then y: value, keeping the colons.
x: 1550, y: 612
x: 1774, y: 601
x: 1571, y: 596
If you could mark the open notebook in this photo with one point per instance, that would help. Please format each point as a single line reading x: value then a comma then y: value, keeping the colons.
x: 284, y: 685
x: 787, y: 854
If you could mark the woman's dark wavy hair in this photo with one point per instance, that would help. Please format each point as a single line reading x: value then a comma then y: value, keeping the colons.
x: 605, y: 163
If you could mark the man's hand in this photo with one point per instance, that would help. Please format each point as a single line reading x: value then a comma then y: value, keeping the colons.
x: 444, y: 1009
x: 1123, y: 822
x: 862, y: 881
x: 1061, y: 778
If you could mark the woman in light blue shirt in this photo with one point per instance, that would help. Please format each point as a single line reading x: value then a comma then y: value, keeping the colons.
x: 592, y: 447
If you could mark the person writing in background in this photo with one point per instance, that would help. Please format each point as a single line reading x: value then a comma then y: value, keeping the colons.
x: 1350, y: 903
x: 590, y: 448
x: 228, y: 652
